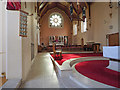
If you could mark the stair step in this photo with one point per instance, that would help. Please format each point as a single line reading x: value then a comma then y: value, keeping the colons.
x: 86, y: 82
x: 13, y: 83
x: 68, y: 83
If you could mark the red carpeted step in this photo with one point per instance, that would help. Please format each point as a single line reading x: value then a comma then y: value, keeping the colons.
x: 70, y: 56
x: 97, y: 71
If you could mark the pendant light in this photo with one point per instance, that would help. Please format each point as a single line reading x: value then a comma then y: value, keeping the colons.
x: 84, y: 13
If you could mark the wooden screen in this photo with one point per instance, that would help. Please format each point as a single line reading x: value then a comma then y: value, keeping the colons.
x: 113, y: 39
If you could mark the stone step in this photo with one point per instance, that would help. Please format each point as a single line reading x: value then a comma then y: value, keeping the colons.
x: 12, y: 83
x: 86, y: 82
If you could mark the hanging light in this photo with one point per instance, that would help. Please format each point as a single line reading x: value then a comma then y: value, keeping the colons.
x: 84, y: 13
x: 71, y: 10
x: 111, y: 6
x: 78, y: 14
x: 78, y: 11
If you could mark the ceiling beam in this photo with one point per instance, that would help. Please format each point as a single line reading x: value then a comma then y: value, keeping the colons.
x: 43, y: 6
x: 80, y: 8
x: 73, y: 7
x: 50, y: 5
x: 57, y: 5
x: 68, y: 11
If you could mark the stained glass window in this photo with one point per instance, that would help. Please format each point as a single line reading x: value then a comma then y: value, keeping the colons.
x: 75, y: 29
x: 56, y: 20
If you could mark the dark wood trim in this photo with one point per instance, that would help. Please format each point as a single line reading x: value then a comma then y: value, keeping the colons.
x: 113, y: 33
x: 80, y: 8
x: 74, y: 8
x: 117, y: 60
x: 46, y: 10
x: 23, y: 35
x: 43, y: 7
x: 89, y: 11
x: 24, y: 12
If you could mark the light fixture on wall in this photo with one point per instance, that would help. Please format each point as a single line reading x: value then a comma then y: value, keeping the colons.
x: 89, y: 22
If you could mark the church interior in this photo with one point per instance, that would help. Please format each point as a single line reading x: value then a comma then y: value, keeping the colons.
x: 60, y: 44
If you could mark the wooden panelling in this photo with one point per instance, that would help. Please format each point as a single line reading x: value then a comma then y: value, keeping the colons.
x: 113, y: 39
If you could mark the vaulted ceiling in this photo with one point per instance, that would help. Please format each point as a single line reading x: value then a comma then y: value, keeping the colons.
x: 43, y: 7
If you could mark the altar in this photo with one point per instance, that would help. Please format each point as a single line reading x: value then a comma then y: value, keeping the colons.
x: 112, y: 52
x: 58, y: 40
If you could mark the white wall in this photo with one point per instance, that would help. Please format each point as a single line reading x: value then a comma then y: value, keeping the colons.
x: 100, y: 22
x: 26, y: 42
x: 18, y: 49
x: 35, y: 31
x: 0, y: 37
x: 3, y: 36
x: 14, y: 46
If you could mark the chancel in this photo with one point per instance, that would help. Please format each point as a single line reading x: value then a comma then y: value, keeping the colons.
x: 59, y: 44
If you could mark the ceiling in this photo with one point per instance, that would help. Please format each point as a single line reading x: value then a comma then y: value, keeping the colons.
x: 43, y: 7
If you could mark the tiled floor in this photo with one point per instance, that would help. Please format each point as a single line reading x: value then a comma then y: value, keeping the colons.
x: 42, y: 74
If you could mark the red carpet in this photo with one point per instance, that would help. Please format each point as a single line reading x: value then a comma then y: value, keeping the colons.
x: 97, y: 70
x: 70, y: 56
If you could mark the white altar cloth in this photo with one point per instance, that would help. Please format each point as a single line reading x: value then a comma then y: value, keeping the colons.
x: 112, y: 52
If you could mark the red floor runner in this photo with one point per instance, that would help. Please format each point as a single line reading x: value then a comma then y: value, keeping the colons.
x: 70, y: 56
x: 97, y: 70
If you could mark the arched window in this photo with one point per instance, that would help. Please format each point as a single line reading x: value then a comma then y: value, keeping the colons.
x: 75, y: 28
x: 84, y: 26
x: 56, y: 20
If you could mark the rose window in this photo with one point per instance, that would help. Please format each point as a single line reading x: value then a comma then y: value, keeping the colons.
x: 55, y: 20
